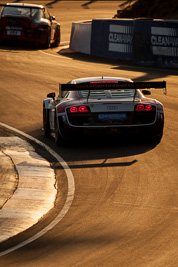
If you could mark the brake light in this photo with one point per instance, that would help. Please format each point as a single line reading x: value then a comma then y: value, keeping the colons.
x: 139, y: 107
x: 105, y: 82
x: 73, y: 109
x: 38, y: 25
x: 34, y: 26
x: 83, y: 109
x: 143, y: 107
x: 148, y: 107
x: 79, y: 109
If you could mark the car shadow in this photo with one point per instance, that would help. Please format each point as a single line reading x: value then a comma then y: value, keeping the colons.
x: 92, y: 148
x: 15, y: 45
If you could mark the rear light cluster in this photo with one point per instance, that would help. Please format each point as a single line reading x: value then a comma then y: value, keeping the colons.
x: 38, y: 25
x: 79, y: 109
x: 143, y: 108
x: 33, y: 25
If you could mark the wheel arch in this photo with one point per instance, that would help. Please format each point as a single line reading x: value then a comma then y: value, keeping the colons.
x: 47, y: 103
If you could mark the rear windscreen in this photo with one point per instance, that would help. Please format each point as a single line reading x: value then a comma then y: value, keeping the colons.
x: 115, y: 93
x: 20, y: 11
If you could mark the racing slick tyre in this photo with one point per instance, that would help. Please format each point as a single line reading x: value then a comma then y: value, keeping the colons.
x: 57, y: 38
x: 48, y: 40
x: 59, y: 139
x: 157, y: 131
x: 158, y: 138
x: 46, y: 126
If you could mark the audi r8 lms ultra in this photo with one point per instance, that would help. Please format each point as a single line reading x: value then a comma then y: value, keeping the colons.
x: 103, y: 105
x: 30, y: 23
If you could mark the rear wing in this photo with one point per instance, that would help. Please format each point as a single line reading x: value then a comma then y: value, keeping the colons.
x: 107, y: 85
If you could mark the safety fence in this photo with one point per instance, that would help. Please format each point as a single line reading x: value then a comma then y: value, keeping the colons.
x: 145, y: 42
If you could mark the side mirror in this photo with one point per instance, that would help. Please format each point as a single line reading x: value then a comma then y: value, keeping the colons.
x: 52, y: 18
x: 51, y: 95
x: 146, y: 92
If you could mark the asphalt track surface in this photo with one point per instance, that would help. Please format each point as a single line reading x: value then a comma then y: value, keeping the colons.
x: 124, y: 211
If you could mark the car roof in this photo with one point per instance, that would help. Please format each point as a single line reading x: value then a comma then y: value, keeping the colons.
x: 99, y: 79
x: 24, y: 5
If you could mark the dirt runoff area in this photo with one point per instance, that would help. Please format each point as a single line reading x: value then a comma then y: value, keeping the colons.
x: 151, y: 9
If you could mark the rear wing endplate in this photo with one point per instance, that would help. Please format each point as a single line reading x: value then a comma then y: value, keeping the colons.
x: 112, y: 86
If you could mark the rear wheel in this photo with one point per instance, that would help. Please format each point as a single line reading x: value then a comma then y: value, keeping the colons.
x: 157, y: 138
x: 47, y: 40
x: 46, y: 125
x: 157, y: 131
x: 57, y: 38
x: 59, y: 139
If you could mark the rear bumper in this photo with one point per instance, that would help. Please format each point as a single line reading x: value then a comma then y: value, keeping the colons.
x: 109, y: 119
x: 155, y: 128
x: 27, y: 35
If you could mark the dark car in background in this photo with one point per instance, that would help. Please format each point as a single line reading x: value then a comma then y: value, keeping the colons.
x: 29, y: 23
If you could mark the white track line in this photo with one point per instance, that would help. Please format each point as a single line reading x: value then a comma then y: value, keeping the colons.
x: 48, y: 54
x: 70, y: 194
x: 58, y: 56
x: 41, y: 51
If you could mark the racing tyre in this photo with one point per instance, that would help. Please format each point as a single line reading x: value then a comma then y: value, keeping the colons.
x: 57, y: 38
x: 48, y: 40
x: 157, y: 132
x: 59, y: 139
x: 46, y: 125
x: 158, y: 138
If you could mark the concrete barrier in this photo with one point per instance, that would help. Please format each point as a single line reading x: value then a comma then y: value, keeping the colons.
x: 80, y: 39
x: 146, y: 42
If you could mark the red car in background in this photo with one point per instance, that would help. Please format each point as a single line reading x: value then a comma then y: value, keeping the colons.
x: 30, y: 23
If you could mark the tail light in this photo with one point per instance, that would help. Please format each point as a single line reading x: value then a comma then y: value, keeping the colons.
x: 143, y: 107
x: 73, y: 109
x: 139, y: 107
x: 148, y: 107
x: 79, y: 109
x: 36, y: 25
x: 83, y: 109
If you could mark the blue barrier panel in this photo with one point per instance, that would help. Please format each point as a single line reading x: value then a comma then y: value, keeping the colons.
x: 155, y: 43
x: 112, y: 38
